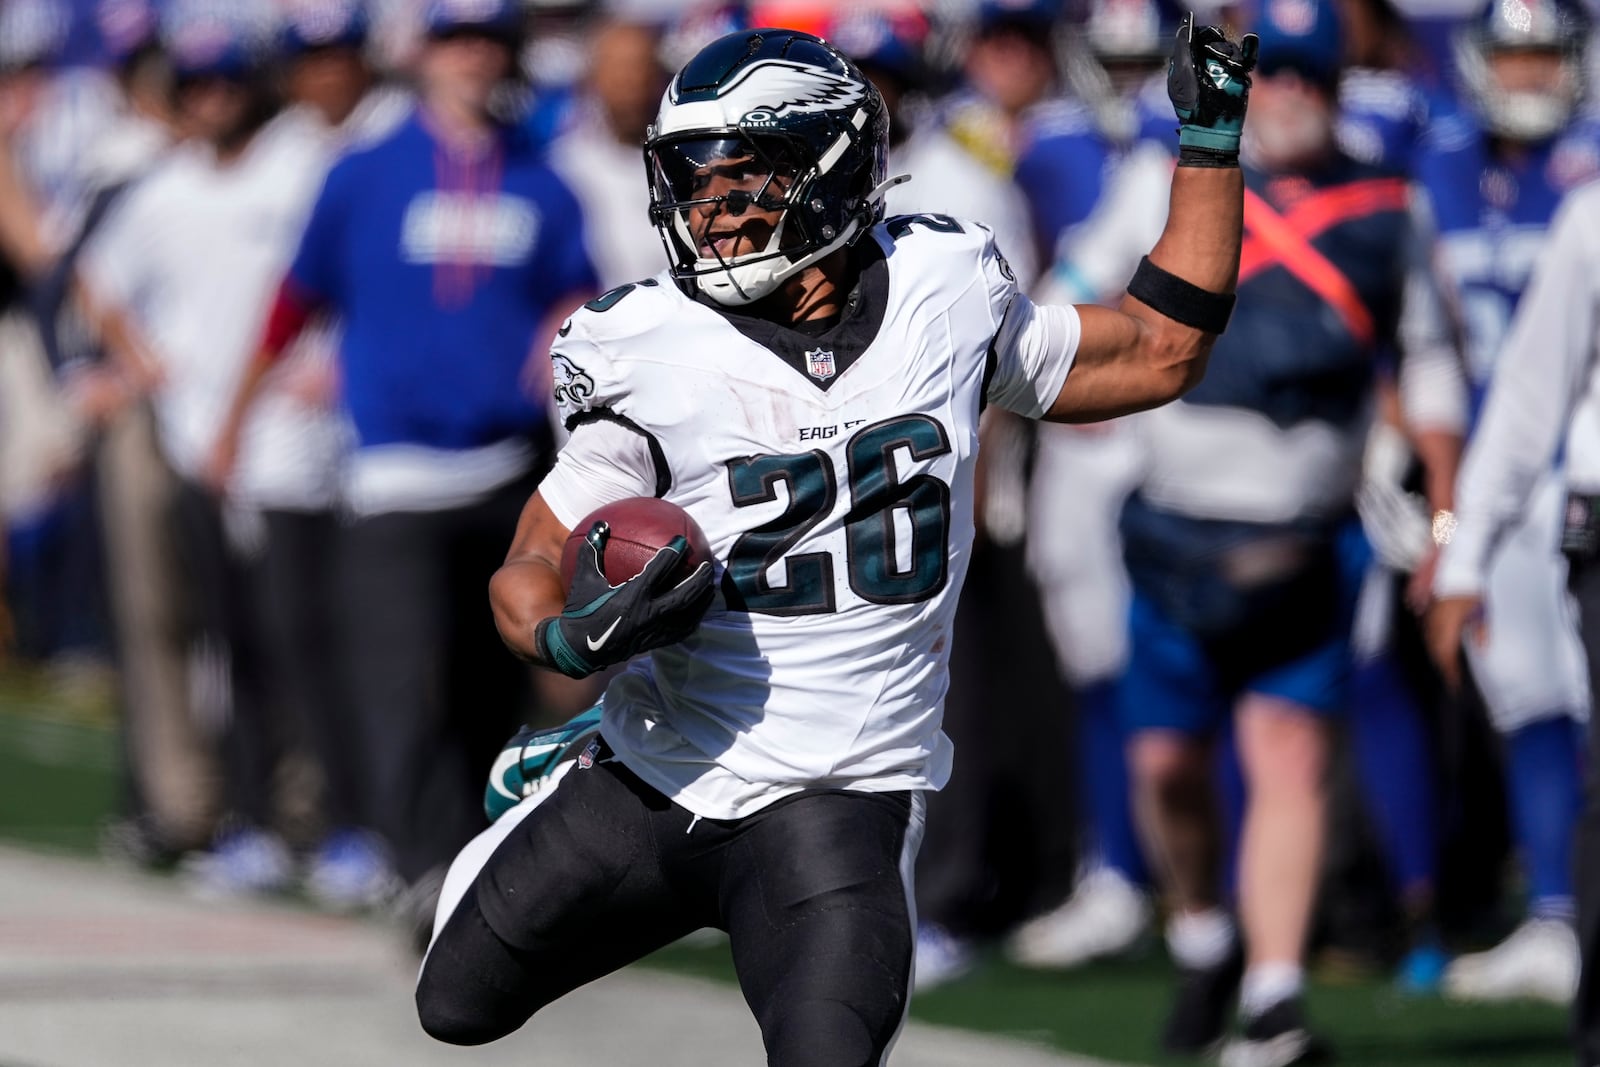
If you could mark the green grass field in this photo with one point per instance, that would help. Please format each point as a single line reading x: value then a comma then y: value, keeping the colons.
x: 58, y: 782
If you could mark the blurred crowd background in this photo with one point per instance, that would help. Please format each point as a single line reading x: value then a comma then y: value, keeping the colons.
x: 257, y: 463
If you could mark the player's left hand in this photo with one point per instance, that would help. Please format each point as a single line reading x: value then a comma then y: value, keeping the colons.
x: 1208, y: 80
x: 1450, y: 620
x: 605, y: 624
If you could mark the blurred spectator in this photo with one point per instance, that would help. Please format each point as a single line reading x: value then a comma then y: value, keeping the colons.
x: 327, y: 71
x: 170, y: 777
x: 31, y: 31
x: 183, y: 273
x: 448, y: 251
x: 1543, y: 402
x: 601, y: 156
x: 1082, y: 475
x: 1237, y: 543
x: 1382, y: 114
x: 1382, y: 110
x: 1493, y: 175
x: 962, y: 162
x: 1115, y: 65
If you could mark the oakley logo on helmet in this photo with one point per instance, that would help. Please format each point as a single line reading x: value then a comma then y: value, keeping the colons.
x: 768, y: 91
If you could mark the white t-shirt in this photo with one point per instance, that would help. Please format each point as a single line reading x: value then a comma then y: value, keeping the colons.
x: 833, y: 476
x: 947, y: 178
x: 608, y: 178
x: 196, y: 251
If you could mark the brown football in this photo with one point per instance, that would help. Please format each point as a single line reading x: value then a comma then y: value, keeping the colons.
x: 640, y: 527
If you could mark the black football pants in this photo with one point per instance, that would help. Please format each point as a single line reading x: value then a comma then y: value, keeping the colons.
x: 812, y: 890
x: 1585, y: 585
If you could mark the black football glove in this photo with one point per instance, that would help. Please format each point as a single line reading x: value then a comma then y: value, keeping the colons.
x: 605, y: 624
x: 1208, y: 80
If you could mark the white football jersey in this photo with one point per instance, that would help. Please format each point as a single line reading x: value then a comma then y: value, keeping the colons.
x: 833, y: 476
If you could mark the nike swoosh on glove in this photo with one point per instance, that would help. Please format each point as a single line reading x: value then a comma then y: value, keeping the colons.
x: 604, y: 624
x: 1208, y: 80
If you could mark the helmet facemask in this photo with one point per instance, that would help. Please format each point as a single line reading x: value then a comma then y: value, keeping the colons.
x: 737, y: 212
x: 769, y: 154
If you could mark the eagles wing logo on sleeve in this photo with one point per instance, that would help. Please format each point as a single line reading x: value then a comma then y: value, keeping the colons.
x: 573, y: 386
x: 768, y: 91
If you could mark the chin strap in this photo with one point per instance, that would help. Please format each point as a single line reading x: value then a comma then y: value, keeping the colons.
x: 882, y: 188
x: 740, y: 295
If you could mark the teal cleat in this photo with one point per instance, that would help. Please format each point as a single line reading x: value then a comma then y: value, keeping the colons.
x: 531, y: 757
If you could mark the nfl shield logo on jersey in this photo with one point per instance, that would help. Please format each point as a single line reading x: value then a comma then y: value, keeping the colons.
x: 819, y: 364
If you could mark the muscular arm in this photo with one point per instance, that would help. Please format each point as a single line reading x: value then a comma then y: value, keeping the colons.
x: 1133, y: 357
x: 527, y: 588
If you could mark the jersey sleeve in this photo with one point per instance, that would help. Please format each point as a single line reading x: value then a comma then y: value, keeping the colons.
x: 607, y: 458
x: 583, y: 377
x: 1033, y: 344
x: 1541, y: 376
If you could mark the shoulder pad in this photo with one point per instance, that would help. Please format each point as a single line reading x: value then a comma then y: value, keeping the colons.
x: 589, y: 346
x: 1386, y: 92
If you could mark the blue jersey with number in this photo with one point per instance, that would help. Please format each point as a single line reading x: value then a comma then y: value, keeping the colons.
x: 443, y: 267
x: 1382, y: 115
x: 1067, y: 165
x: 1063, y: 170
x: 1491, y: 211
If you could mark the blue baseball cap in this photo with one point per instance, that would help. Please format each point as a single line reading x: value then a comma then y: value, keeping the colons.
x: 218, y: 38
x: 125, y: 26
x: 313, y: 24
x: 500, y: 18
x: 1303, y: 36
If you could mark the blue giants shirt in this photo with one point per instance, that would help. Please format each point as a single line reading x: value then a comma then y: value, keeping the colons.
x: 443, y: 267
x: 1491, y: 212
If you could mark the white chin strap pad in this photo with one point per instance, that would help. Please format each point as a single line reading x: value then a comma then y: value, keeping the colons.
x: 744, y: 283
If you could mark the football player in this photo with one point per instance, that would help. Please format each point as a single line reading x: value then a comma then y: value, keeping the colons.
x: 806, y: 380
x: 1493, y: 176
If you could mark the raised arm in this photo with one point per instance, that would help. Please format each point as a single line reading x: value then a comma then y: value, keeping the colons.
x: 1153, y: 347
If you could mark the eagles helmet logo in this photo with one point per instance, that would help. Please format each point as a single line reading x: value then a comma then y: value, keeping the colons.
x: 768, y: 91
x: 573, y: 386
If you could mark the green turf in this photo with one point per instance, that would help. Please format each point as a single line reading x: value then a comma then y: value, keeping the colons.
x: 1113, y: 1011
x: 57, y: 776
x: 58, y: 782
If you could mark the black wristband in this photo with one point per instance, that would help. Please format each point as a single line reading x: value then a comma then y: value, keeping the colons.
x: 1179, y: 300
x: 1195, y: 156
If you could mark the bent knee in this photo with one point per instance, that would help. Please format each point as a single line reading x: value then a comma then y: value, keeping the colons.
x: 447, y: 1015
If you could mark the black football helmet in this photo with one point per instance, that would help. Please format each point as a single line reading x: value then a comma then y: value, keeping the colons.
x: 788, y: 124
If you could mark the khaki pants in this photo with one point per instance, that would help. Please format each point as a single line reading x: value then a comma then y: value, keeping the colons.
x: 171, y: 760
